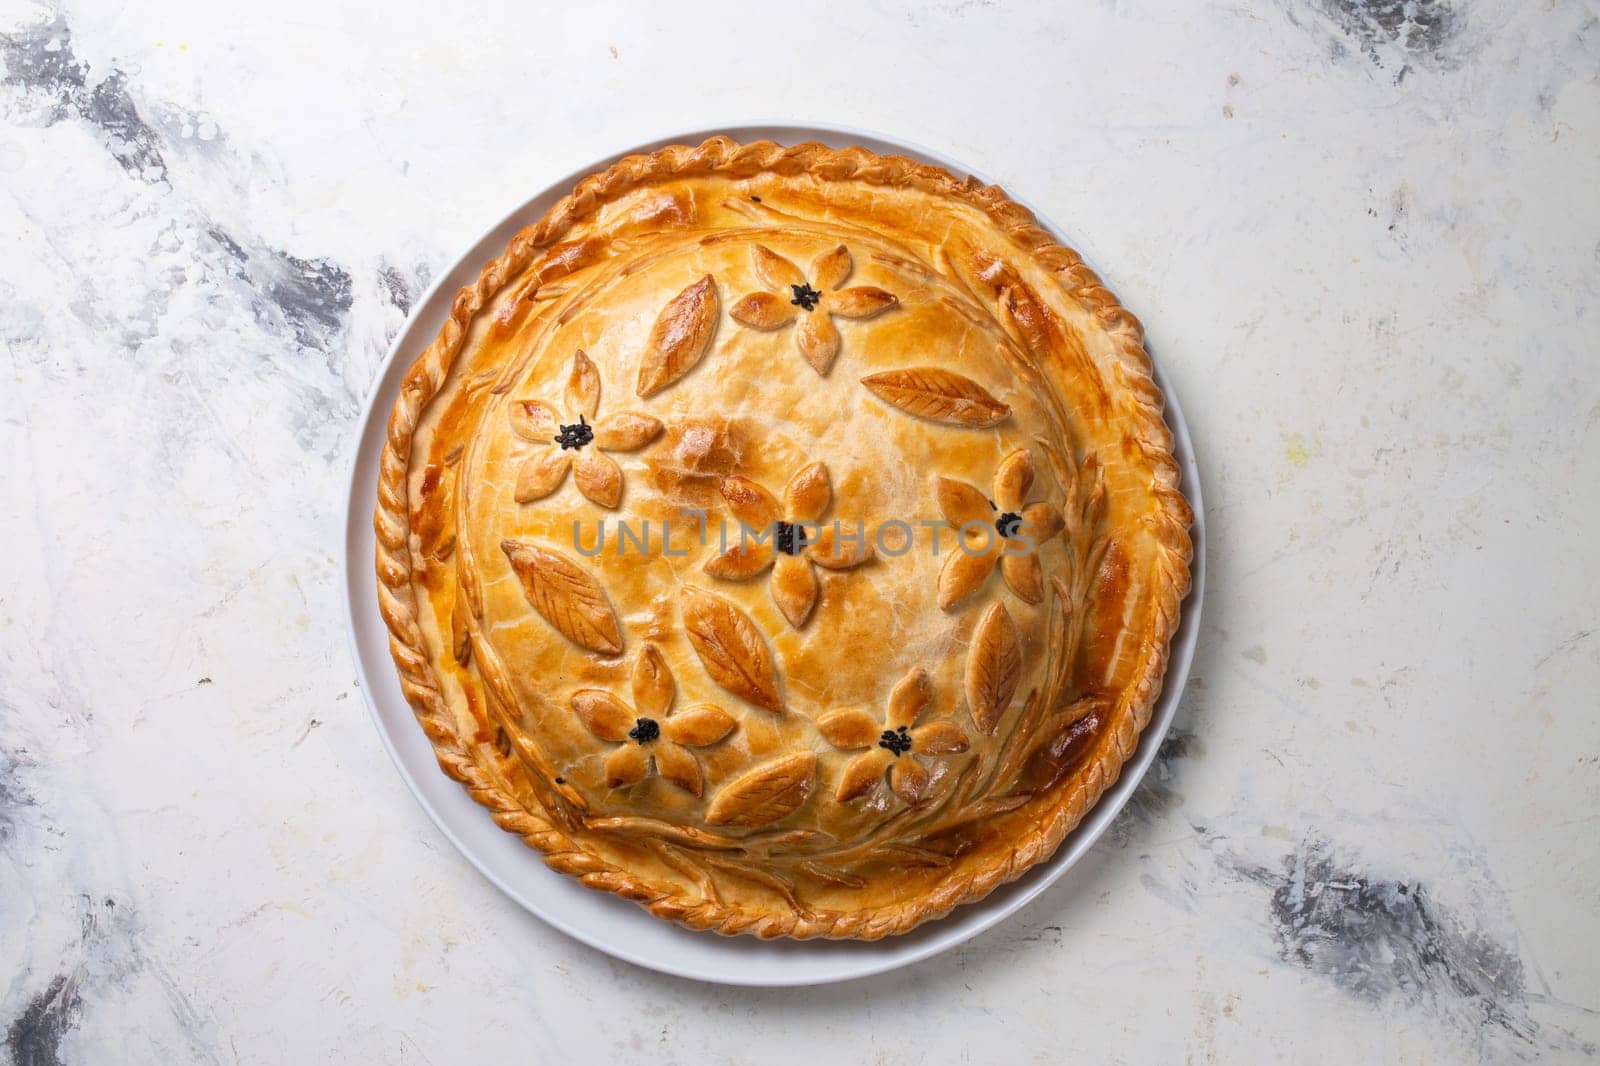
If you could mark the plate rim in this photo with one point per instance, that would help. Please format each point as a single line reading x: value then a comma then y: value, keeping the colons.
x: 856, y: 959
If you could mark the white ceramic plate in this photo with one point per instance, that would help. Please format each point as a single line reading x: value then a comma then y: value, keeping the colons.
x: 600, y: 919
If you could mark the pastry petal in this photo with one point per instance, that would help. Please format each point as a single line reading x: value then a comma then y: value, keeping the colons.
x: 598, y: 477
x: 861, y: 302
x: 541, y: 475
x: 961, y: 503
x: 909, y: 779
x: 749, y: 502
x: 626, y: 431
x: 1041, y: 521
x: 831, y: 268
x: 808, y: 494
x: 909, y: 698
x: 861, y: 774
x: 742, y: 561
x: 763, y: 310
x: 1013, y: 480
x: 603, y: 714
x: 849, y: 728
x: 794, y: 588
x: 1023, y: 573
x: 939, y: 738
x: 534, y: 420
x: 777, y: 272
x: 627, y: 765
x: 963, y: 574
x: 699, y: 726
x: 818, y: 340
x: 583, y: 386
x: 677, y: 764
x: 840, y: 549
x: 653, y: 686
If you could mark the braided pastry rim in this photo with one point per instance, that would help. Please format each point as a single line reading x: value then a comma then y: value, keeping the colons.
x: 397, y: 599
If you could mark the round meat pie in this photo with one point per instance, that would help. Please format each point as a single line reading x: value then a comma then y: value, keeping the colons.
x: 785, y: 539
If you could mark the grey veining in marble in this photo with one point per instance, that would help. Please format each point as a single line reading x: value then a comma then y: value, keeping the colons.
x: 1365, y: 240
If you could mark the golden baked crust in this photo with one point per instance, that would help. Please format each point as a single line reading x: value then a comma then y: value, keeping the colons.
x: 833, y: 731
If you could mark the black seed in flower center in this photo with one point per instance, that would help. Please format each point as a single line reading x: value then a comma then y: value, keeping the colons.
x: 897, y: 741
x: 1008, y: 524
x: 645, y: 730
x: 805, y: 296
x: 575, y: 436
x: 790, y: 538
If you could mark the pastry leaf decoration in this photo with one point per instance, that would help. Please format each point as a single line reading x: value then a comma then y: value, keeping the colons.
x: 1012, y: 517
x: 791, y: 296
x: 994, y: 667
x: 566, y: 596
x: 680, y: 337
x: 765, y: 794
x: 797, y: 543
x: 890, y: 742
x: 649, y: 735
x: 938, y: 395
x: 460, y: 636
x: 571, y: 443
x: 731, y: 648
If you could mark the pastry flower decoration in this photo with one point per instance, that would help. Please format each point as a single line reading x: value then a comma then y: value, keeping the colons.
x: 792, y: 297
x: 647, y: 733
x: 788, y: 539
x: 892, y: 744
x: 1008, y: 530
x: 578, y: 445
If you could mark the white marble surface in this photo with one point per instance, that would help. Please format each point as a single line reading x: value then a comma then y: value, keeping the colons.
x: 1365, y: 238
